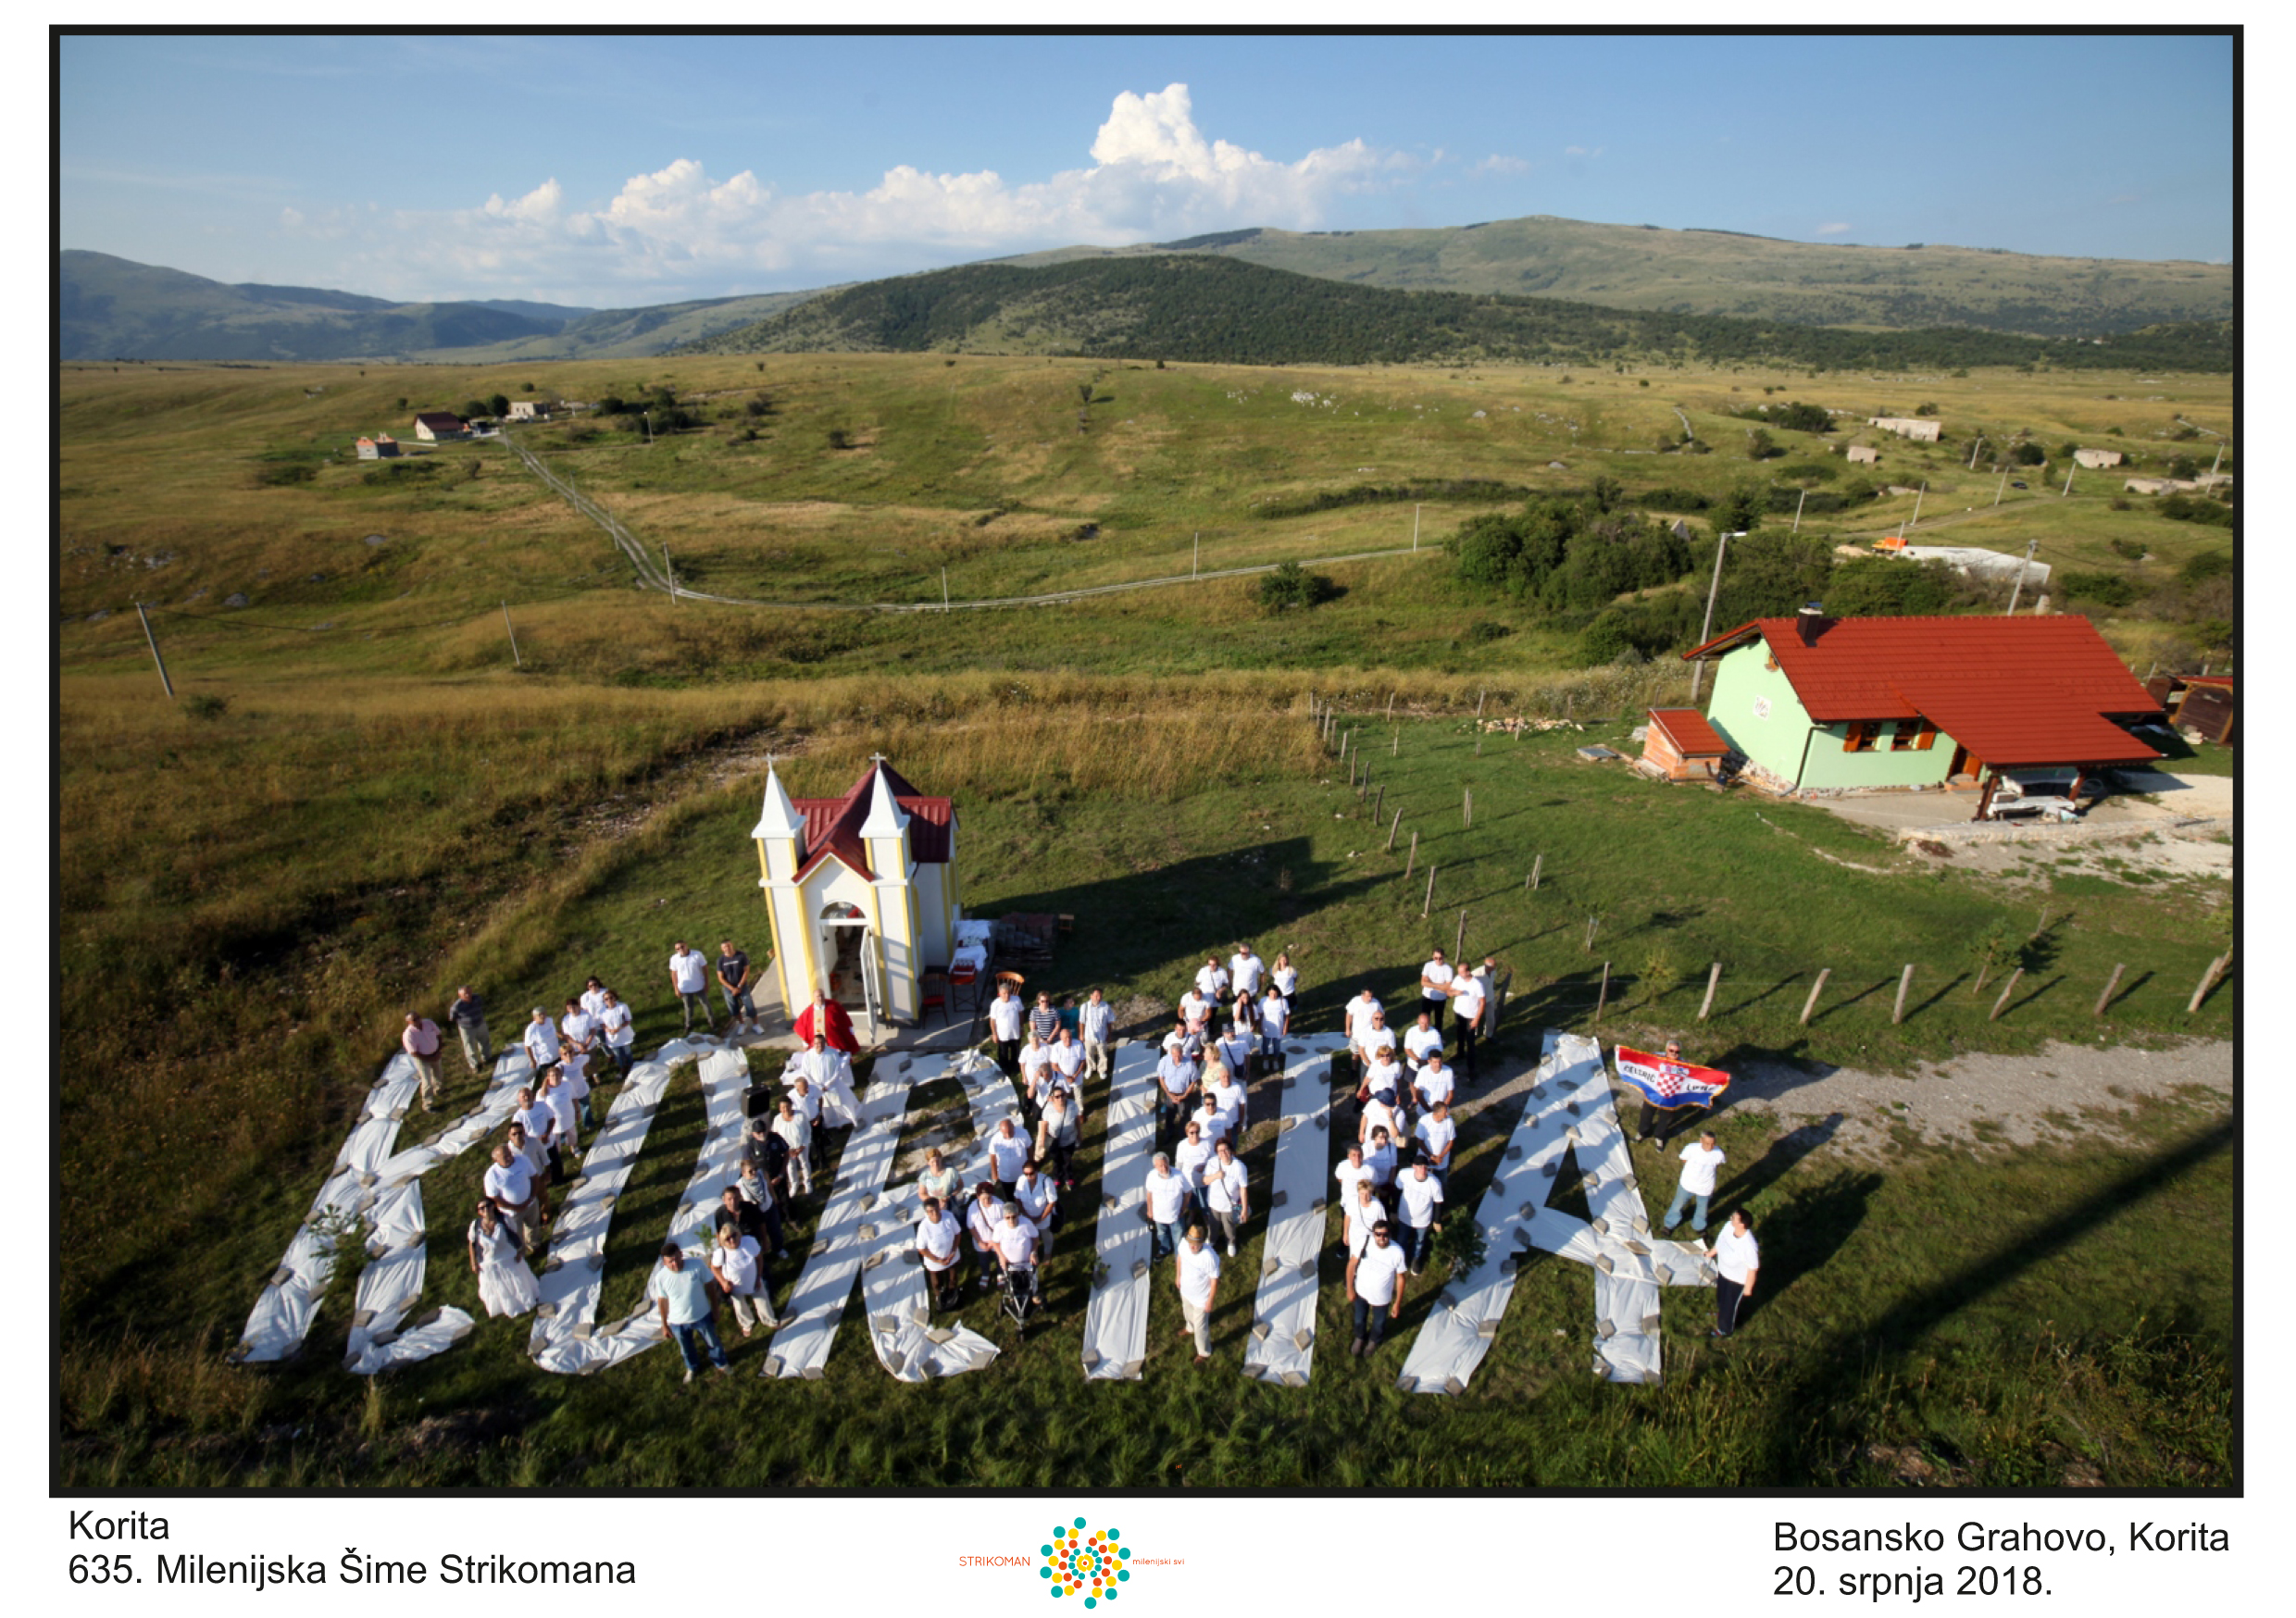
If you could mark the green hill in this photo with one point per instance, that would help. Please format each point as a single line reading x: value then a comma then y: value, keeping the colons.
x: 1205, y: 308
x: 1728, y: 272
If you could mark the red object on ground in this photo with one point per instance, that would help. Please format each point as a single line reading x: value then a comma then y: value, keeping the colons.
x: 836, y: 1027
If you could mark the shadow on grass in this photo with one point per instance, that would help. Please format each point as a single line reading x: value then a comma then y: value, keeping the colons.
x: 1945, y: 989
x: 1845, y: 1003
x: 1753, y: 1001
x: 1776, y: 1164
x: 1803, y: 1234
x: 2128, y: 988
x: 2028, y: 1000
x: 1847, y: 1360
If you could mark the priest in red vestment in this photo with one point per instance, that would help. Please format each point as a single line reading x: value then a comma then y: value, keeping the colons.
x: 830, y: 1020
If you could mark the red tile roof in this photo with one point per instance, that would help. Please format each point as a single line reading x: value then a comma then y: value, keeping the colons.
x: 2011, y: 690
x: 1693, y: 737
x: 833, y: 825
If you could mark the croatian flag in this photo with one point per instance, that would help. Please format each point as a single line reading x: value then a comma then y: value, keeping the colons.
x: 1666, y: 1084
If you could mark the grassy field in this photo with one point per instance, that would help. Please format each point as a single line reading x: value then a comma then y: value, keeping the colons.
x: 359, y: 801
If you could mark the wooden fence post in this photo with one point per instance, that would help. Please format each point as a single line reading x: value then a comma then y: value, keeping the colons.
x: 1466, y: 809
x: 2111, y: 984
x: 1587, y: 948
x: 2007, y: 990
x: 1535, y: 865
x: 1479, y: 703
x: 1392, y: 825
x: 1714, y: 981
x: 1602, y: 998
x: 1379, y: 806
x: 1816, y: 988
x: 1412, y: 858
x: 1905, y: 982
x: 1350, y: 772
x: 1458, y: 944
x: 1479, y: 744
x: 1395, y: 743
x: 2208, y: 981
x: 1426, y: 906
x: 1391, y: 706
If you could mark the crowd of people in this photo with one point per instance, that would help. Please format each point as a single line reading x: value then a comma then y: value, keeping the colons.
x: 1228, y: 1031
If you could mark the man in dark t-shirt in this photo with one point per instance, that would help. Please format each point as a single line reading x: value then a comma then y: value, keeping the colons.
x: 734, y: 978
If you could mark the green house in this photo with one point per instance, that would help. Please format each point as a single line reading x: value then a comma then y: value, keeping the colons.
x: 1819, y: 703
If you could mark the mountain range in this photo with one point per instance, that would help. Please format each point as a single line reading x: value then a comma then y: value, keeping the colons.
x: 113, y: 308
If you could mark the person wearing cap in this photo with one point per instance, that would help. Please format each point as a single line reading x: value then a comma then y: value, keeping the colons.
x: 1701, y: 1159
x: 1195, y: 1274
x: 734, y: 978
x: 1379, y: 1117
x: 938, y: 1240
x: 680, y: 1292
x: 1435, y: 988
x: 1096, y: 1021
x: 541, y: 1040
x: 740, y: 1265
x: 420, y: 1041
x: 983, y: 1222
x: 621, y: 1036
x: 1419, y: 1201
x: 1375, y: 1285
x: 467, y: 1013
x: 1015, y: 1246
x: 1737, y: 1259
x: 689, y: 980
x: 1226, y: 1193
x: 1164, y: 1193
x: 796, y: 1132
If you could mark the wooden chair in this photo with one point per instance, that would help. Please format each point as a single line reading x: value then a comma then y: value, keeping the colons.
x: 1014, y: 979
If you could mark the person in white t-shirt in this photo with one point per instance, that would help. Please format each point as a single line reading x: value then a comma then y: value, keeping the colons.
x: 796, y: 1132
x: 1226, y: 1193
x: 1236, y: 1044
x: 740, y: 1265
x: 578, y: 1028
x: 1467, y: 1016
x: 1699, y: 1160
x: 592, y: 998
x: 1008, y: 1150
x: 808, y: 1100
x: 1057, y: 1137
x: 1419, y: 1203
x: 981, y: 1224
x: 1196, y: 1012
x: 1226, y: 1090
x: 1353, y: 1171
x: 1096, y: 1023
x: 1211, y: 1120
x: 1195, y: 1272
x: 1038, y: 1205
x: 541, y: 1040
x: 1379, y: 1118
x: 511, y: 1183
x: 1433, y: 1084
x: 621, y: 1036
x: 1420, y: 1041
x: 1166, y: 1193
x: 1212, y: 980
x: 1383, y: 1080
x: 1015, y: 1252
x: 1737, y: 1259
x: 1188, y: 1159
x: 565, y: 1108
x: 1244, y: 969
x: 1436, y: 1136
x: 1007, y: 1018
x: 938, y: 1236
x: 1363, y: 1209
x: 1375, y: 1285
x: 1435, y: 988
x: 1067, y: 1061
x: 1036, y: 1066
x: 1356, y: 1021
x: 1274, y: 1025
x: 1286, y: 980
x: 688, y: 979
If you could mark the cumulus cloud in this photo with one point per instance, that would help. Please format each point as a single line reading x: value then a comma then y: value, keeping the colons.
x: 680, y: 232
x: 1833, y: 229
x: 1582, y: 151
x: 1499, y: 165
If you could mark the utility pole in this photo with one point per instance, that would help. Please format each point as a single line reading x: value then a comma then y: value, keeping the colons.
x: 1805, y: 495
x: 515, y: 660
x: 1195, y: 559
x: 1918, y: 498
x: 1414, y: 528
x: 2068, y: 482
x: 158, y: 662
x: 1973, y: 450
x: 668, y: 572
x: 649, y: 422
x: 1706, y: 632
x: 2217, y: 462
x: 2019, y: 589
x: 1998, y: 487
x: 944, y: 588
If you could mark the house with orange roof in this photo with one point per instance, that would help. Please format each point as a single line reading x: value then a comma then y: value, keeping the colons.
x: 1822, y: 704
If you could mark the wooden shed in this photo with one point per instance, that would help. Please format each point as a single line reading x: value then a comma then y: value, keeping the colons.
x: 2202, y: 703
x: 1682, y: 745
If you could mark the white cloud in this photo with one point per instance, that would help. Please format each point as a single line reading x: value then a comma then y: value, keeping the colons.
x: 1836, y: 229
x: 1583, y: 151
x: 1497, y: 165
x: 677, y: 232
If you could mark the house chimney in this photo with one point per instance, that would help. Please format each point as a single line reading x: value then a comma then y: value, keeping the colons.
x: 1811, y: 622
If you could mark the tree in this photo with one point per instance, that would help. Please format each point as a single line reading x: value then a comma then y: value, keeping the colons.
x: 2029, y: 453
x: 1759, y: 445
x: 1925, y: 409
x: 498, y: 405
x: 1290, y: 585
x: 1741, y: 510
x: 474, y: 410
x: 2183, y: 466
x: 1608, y: 492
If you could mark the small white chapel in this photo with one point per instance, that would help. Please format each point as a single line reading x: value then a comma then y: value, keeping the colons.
x: 861, y: 891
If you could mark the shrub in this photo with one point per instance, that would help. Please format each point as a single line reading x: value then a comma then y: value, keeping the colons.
x: 284, y: 474
x: 1808, y: 472
x: 840, y: 439
x: 2131, y: 549
x: 2208, y: 564
x: 1292, y: 586
x: 2104, y: 589
x: 2028, y: 454
x: 1482, y: 632
x: 202, y: 705
x: 1668, y: 498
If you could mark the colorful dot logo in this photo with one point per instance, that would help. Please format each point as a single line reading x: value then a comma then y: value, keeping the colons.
x: 1085, y: 1562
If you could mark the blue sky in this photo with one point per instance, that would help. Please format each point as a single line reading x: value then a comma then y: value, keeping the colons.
x: 612, y: 172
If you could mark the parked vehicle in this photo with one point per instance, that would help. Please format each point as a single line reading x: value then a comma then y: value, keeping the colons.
x: 2039, y: 797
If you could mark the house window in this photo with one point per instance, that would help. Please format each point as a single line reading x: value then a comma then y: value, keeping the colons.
x: 1861, y: 736
x: 1902, y: 736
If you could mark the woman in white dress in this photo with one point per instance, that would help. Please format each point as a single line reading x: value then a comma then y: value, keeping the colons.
x: 505, y: 1285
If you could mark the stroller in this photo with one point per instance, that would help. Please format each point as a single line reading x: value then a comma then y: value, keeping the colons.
x: 1020, y: 1296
